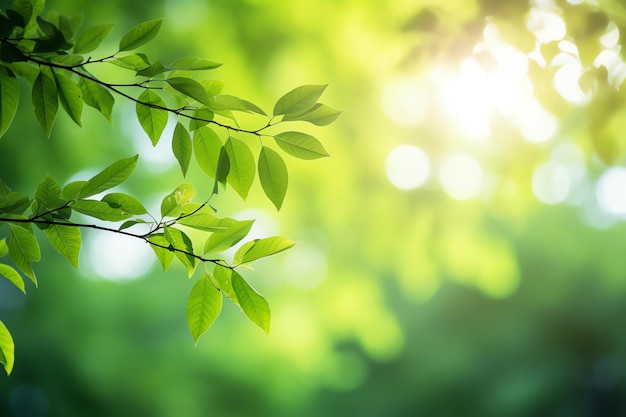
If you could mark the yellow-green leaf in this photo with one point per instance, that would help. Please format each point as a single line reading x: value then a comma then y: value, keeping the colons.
x: 242, y: 166
x: 91, y: 38
x: 252, y: 303
x: 65, y: 240
x: 97, y: 96
x: 140, y: 34
x: 273, y: 175
x: 206, y: 147
x: 7, y: 349
x: 24, y: 249
x: 70, y: 96
x: 153, y: 120
x: 181, y: 147
x: 13, y: 276
x: 300, y: 145
x: 203, y: 306
x: 9, y: 97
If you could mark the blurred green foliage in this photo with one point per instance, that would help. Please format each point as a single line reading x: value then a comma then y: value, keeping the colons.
x: 405, y: 302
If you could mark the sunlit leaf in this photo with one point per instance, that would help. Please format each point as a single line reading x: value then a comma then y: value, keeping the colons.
x: 13, y: 276
x: 273, y: 175
x: 70, y: 96
x: 203, y: 306
x: 266, y: 247
x: 242, y: 166
x: 252, y: 303
x: 99, y: 210
x: 9, y: 97
x: 180, y: 241
x: 135, y: 62
x: 300, y: 145
x: 66, y: 240
x: 4, y: 249
x: 226, y: 102
x: 113, y: 175
x: 200, y: 118
x: 190, y: 88
x: 192, y: 63
x: 203, y: 221
x: 7, y: 349
x: 72, y: 190
x: 45, y: 101
x: 182, y: 147
x: 223, y: 169
x: 159, y: 245
x: 48, y: 194
x: 171, y: 204
x: 299, y: 99
x: 67, y: 60
x: 222, y: 240
x: 140, y: 35
x: 97, y: 96
x: 319, y: 115
x: 152, y: 119
x: 91, y: 38
x: 126, y: 203
x: 206, y: 147
x: 223, y: 276
x: 24, y: 249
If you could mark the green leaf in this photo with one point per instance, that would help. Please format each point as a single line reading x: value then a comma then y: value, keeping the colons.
x: 152, y: 70
x: 126, y: 203
x: 66, y: 240
x: 45, y: 101
x: 299, y: 99
x: 203, y: 306
x: 273, y: 176
x: 171, y: 204
x: 72, y: 190
x: 91, y: 38
x: 48, y: 194
x: 152, y: 120
x: 203, y: 221
x: 201, y: 117
x: 99, y: 210
x: 266, y: 247
x: 180, y: 241
x: 223, y: 168
x: 131, y: 223
x: 159, y: 245
x: 241, y: 251
x: 4, y: 249
x: 9, y: 53
x: 206, y: 147
x: 226, y: 102
x: 300, y: 145
x: 24, y: 249
x: 252, y: 303
x: 242, y: 166
x: 13, y: 276
x: 113, y: 175
x: 223, y: 276
x: 212, y: 87
x: 140, y: 35
x: 14, y: 203
x: 67, y: 60
x: 97, y: 96
x: 319, y: 115
x: 7, y: 349
x: 70, y: 96
x: 181, y: 147
x: 135, y: 62
x: 193, y: 64
x: 219, y: 241
x: 9, y: 97
x: 190, y: 88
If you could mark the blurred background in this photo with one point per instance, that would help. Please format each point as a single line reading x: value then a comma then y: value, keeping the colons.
x: 460, y: 254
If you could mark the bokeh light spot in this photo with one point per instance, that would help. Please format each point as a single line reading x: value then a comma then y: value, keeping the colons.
x: 461, y: 177
x: 118, y: 258
x: 406, y: 103
x: 407, y: 167
x: 611, y: 191
x: 551, y: 183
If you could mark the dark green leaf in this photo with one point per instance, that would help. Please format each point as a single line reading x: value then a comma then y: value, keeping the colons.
x: 153, y: 120
x: 67, y: 60
x: 91, y: 38
x: 10, y: 53
x: 13, y: 276
x: 113, y: 175
x: 236, y: 230
x: 126, y: 203
x: 190, y: 88
x: 66, y: 240
x: 242, y: 166
x: 300, y: 145
x: 252, y: 303
x: 181, y: 147
x: 140, y: 35
x: 24, y: 249
x: 9, y: 97
x: 70, y: 96
x: 152, y: 70
x: 223, y: 168
x: 203, y: 306
x: 273, y: 175
x: 97, y: 96
x: 299, y: 99
x: 14, y: 203
x: 99, y: 210
x: 131, y: 223
x: 319, y: 115
x: 45, y: 101
x: 7, y: 349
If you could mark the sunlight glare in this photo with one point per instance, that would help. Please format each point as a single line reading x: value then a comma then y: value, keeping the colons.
x: 406, y: 102
x: 461, y: 177
x: 407, y: 167
x: 551, y: 183
x: 118, y: 258
x: 546, y: 26
x: 611, y: 191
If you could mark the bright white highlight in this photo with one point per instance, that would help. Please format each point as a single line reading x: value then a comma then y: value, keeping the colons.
x: 461, y: 177
x: 611, y: 191
x: 611, y: 36
x: 535, y: 123
x: 546, y: 26
x: 406, y: 102
x: 407, y: 167
x: 118, y: 258
x: 551, y: 183
x: 566, y: 78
